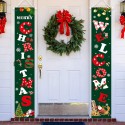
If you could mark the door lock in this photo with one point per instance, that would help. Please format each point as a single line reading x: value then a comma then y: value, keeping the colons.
x: 40, y: 58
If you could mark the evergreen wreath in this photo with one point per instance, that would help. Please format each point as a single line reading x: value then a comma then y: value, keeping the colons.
x: 51, y: 30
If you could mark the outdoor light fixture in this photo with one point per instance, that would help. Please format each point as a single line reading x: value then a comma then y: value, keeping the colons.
x: 122, y: 7
x: 3, y: 6
x: 3, y: 10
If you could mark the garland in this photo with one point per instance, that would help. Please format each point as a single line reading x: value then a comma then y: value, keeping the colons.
x: 61, y: 19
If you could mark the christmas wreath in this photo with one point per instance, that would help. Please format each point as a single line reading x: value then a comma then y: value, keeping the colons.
x: 59, y: 22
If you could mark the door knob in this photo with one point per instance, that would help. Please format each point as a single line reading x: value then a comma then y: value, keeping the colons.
x: 40, y: 69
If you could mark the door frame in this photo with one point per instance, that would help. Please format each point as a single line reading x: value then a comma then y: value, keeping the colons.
x: 36, y: 60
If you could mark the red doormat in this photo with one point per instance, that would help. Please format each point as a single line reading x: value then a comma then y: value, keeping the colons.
x: 62, y: 123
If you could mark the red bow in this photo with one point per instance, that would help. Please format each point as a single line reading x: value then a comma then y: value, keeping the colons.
x: 2, y: 25
x: 64, y: 18
x: 122, y: 21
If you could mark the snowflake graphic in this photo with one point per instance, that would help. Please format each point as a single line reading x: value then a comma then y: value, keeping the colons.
x: 20, y: 64
x: 17, y: 102
x: 31, y: 35
x: 17, y: 89
x: 98, y: 14
x: 31, y: 92
x: 104, y: 13
x: 107, y: 18
x: 106, y: 34
x: 108, y: 75
x: 95, y: 11
x: 18, y: 22
x: 28, y: 56
x: 18, y: 50
x: 29, y: 78
x: 96, y: 46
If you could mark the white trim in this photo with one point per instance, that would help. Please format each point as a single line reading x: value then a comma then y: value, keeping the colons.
x: 36, y: 61
x: 26, y: 1
x: 13, y: 58
x: 103, y: 2
x: 90, y: 80
x: 112, y: 65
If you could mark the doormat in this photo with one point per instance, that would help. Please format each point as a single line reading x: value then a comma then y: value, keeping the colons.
x: 62, y: 123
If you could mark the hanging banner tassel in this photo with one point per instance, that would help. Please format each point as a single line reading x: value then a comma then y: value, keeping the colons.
x: 2, y: 25
x: 122, y: 32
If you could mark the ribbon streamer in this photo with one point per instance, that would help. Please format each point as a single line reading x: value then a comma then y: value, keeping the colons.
x: 122, y: 21
x: 2, y: 25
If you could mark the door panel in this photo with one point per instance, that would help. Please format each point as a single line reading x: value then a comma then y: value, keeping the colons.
x: 65, y: 79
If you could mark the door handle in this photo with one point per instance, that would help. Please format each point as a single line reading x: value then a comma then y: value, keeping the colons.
x: 40, y: 69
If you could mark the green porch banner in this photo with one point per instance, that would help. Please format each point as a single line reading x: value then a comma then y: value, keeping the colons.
x: 24, y: 62
x: 101, y: 62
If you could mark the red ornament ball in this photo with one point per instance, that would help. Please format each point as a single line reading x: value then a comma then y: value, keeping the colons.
x: 21, y: 9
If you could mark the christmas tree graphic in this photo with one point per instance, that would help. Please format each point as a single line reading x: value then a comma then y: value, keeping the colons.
x: 19, y: 112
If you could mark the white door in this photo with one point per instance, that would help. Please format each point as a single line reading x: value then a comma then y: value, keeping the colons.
x: 65, y: 79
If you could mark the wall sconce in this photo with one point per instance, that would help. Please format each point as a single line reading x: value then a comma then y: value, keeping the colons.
x: 3, y: 10
x: 122, y: 7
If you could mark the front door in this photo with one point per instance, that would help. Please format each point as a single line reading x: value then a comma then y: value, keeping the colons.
x: 64, y: 79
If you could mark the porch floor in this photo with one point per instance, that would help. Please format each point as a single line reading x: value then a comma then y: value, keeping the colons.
x: 37, y: 123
